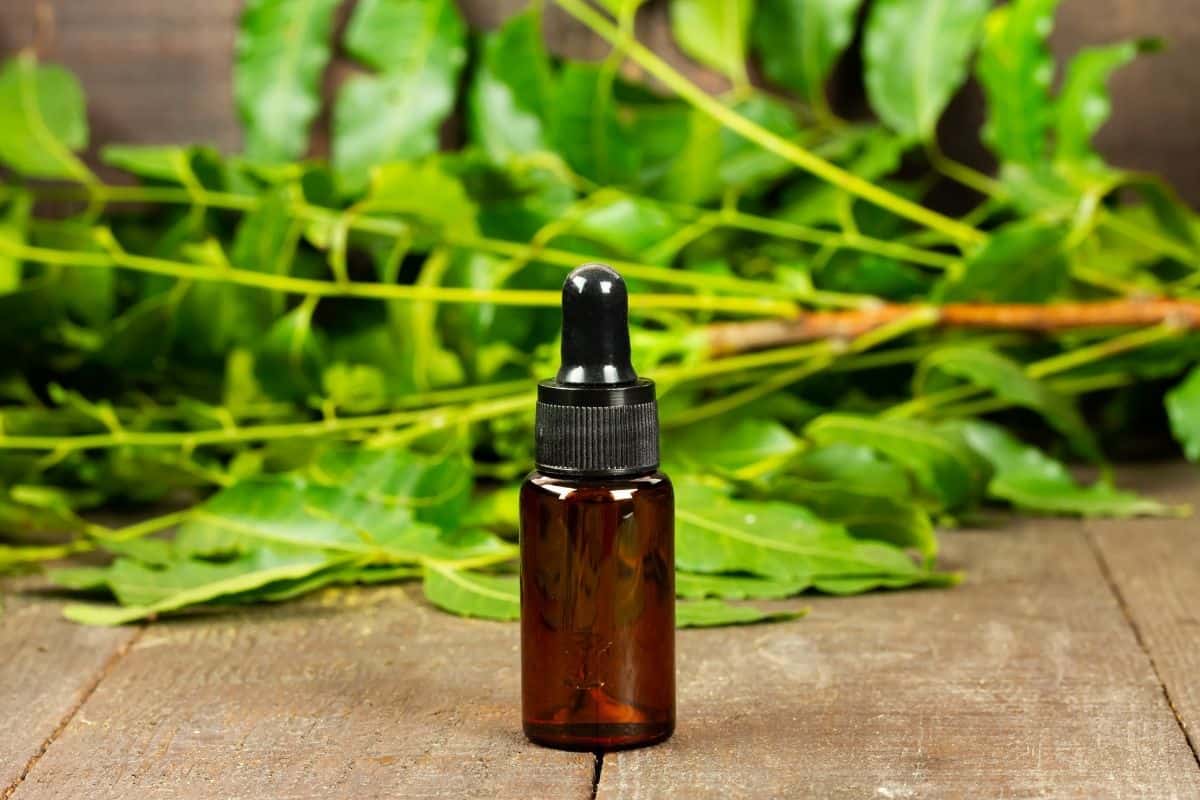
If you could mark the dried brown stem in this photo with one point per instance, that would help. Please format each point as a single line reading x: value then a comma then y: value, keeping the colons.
x: 740, y: 337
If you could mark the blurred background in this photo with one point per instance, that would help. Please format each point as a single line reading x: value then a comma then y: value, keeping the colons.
x: 161, y: 71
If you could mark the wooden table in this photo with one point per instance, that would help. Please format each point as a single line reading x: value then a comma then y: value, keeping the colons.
x: 1067, y: 665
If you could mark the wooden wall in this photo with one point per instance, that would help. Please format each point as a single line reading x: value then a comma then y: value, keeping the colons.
x: 158, y: 71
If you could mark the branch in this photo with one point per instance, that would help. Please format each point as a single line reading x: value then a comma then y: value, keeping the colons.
x: 740, y: 337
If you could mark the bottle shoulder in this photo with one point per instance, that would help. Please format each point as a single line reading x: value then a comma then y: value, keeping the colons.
x: 541, y: 484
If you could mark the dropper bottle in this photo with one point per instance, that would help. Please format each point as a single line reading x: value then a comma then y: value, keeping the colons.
x: 597, y: 541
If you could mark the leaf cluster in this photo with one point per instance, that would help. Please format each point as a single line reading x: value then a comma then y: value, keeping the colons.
x: 334, y: 356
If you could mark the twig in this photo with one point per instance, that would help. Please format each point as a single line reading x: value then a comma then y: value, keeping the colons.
x: 741, y: 337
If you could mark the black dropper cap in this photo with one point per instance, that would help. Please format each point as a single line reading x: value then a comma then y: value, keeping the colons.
x: 597, y: 418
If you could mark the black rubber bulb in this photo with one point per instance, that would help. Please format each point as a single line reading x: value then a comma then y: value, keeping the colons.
x: 595, y: 332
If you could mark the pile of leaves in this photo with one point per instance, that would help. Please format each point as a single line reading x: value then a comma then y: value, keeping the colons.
x: 334, y: 359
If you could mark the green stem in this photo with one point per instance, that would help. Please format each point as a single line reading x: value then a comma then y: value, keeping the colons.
x: 339, y: 427
x: 728, y: 402
x: 764, y: 138
x: 1042, y: 369
x: 1097, y: 352
x: 1066, y: 386
x: 114, y: 257
x: 970, y: 177
x: 1148, y: 238
x: 824, y: 238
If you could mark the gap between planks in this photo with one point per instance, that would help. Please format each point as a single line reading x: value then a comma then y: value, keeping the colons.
x: 1110, y: 579
x: 89, y: 689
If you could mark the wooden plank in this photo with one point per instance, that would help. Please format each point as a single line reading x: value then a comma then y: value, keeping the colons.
x: 49, y: 667
x: 1155, y: 569
x: 355, y: 693
x: 155, y: 71
x: 1024, y: 682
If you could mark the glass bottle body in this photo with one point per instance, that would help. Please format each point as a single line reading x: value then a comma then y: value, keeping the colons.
x: 598, y: 611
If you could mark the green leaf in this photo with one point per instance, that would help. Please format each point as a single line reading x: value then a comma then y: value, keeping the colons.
x: 1023, y: 262
x: 1006, y: 379
x: 291, y: 358
x: 714, y: 613
x: 940, y: 462
x: 799, y: 41
x: 714, y: 32
x: 1183, y: 409
x: 282, y: 50
x: 14, y: 227
x: 1083, y: 103
x: 161, y: 163
x: 916, y: 54
x: 690, y: 157
x: 625, y: 226
x: 744, y: 443
x: 717, y: 534
x: 473, y: 594
x: 405, y: 189
x: 697, y: 586
x: 43, y: 117
x: 196, y: 582
x: 587, y: 131
x: 1016, y: 70
x: 420, y: 47
x: 1029, y: 479
x: 512, y: 94
x: 865, y: 512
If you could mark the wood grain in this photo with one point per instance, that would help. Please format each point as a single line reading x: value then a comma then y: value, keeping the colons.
x: 1155, y: 569
x: 48, y: 667
x: 1024, y: 682
x: 160, y: 71
x: 359, y: 693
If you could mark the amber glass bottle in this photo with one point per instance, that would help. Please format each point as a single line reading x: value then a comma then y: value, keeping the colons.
x: 597, y: 541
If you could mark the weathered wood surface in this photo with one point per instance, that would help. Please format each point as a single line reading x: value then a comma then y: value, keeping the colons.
x: 48, y: 668
x: 1156, y: 575
x: 358, y: 694
x: 1031, y: 680
x: 159, y: 71
x: 1026, y: 681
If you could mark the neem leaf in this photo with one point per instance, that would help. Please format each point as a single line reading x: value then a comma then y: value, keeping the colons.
x: 420, y: 47
x: 473, y: 594
x: 866, y: 512
x: 1023, y: 262
x: 916, y: 54
x: 799, y: 41
x: 1029, y: 479
x: 697, y: 586
x: 404, y: 188
x: 713, y: 32
x: 1183, y: 409
x: 718, y: 534
x: 1005, y: 378
x: 587, y: 131
x: 714, y: 613
x: 940, y: 462
x: 513, y: 90
x: 1083, y: 103
x: 745, y: 442
x: 1016, y: 70
x: 627, y: 226
x: 197, y: 582
x: 290, y: 359
x: 14, y: 227
x: 282, y: 49
x: 162, y: 163
x: 43, y: 117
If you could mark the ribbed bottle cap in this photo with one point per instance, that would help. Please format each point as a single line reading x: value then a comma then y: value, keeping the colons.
x: 596, y: 418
